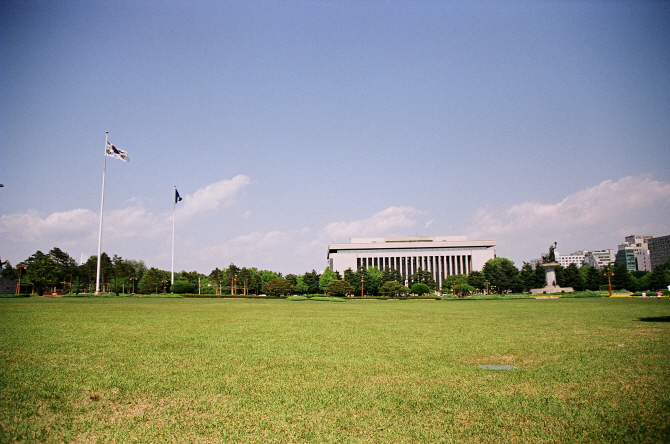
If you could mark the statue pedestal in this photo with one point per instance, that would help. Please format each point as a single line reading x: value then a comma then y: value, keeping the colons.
x: 550, y: 281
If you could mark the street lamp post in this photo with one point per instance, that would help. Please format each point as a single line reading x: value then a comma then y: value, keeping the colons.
x: 609, y: 273
x: 487, y: 287
x: 362, y: 280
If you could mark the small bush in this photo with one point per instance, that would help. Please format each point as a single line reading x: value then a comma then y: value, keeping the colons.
x: 297, y: 298
x: 181, y: 287
x: 163, y: 295
x: 327, y: 298
x: 21, y: 295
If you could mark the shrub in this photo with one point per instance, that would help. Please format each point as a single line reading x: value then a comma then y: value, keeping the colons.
x: 327, y: 298
x: 393, y: 288
x: 181, y: 287
x: 419, y: 289
x: 278, y: 287
x: 339, y: 288
x: 297, y: 298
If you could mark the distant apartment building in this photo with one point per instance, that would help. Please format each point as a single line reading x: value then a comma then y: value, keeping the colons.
x: 576, y: 258
x: 600, y: 258
x: 659, y: 250
x: 634, y: 253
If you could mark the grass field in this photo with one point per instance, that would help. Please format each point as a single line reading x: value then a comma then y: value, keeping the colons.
x: 184, y: 370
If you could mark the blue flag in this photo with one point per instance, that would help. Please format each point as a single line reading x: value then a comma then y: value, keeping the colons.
x: 177, y: 197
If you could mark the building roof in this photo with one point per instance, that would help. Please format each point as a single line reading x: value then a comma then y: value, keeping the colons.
x: 409, y: 242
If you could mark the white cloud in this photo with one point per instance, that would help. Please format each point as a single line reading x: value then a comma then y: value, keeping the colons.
x: 30, y: 226
x: 77, y: 230
x: 220, y: 194
x: 593, y: 218
x: 257, y: 249
x: 302, y: 249
x: 393, y: 220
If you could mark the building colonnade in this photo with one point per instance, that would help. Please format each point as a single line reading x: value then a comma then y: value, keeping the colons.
x: 439, y: 266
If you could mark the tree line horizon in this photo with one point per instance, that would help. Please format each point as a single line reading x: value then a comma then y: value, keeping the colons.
x: 57, y: 269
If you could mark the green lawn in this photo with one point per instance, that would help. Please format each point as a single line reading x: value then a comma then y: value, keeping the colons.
x: 193, y: 370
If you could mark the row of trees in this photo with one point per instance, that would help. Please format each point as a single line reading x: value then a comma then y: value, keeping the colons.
x: 56, y: 270
x: 502, y: 277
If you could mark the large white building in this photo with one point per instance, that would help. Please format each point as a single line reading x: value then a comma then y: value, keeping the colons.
x: 600, y: 258
x: 441, y: 255
x: 576, y: 258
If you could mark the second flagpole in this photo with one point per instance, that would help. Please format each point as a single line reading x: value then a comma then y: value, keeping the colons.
x: 174, y: 204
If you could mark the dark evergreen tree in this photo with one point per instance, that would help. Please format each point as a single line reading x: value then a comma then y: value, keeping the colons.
x: 593, y: 279
x: 527, y: 276
x: 659, y: 278
x: 621, y: 280
x: 573, y: 278
x: 312, y: 281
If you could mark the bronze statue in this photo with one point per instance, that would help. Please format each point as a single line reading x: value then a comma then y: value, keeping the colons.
x: 551, y: 257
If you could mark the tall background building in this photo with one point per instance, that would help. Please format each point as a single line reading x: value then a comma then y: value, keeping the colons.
x: 634, y: 253
x: 659, y: 250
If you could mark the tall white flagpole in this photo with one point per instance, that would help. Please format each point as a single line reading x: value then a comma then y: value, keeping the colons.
x: 174, y: 204
x: 102, y: 204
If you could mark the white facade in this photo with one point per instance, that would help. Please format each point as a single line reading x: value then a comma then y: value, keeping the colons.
x: 576, y: 258
x: 600, y: 258
x: 441, y: 255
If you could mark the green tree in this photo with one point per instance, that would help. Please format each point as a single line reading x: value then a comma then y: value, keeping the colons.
x: 573, y: 278
x: 422, y: 277
x: 502, y: 274
x: 278, y: 287
x: 459, y: 285
x: 354, y: 279
x: 8, y: 272
x: 268, y: 275
x: 41, y: 271
x: 149, y: 282
x: 292, y: 278
x: 477, y: 281
x: 182, y: 286
x: 393, y: 288
x: 216, y: 276
x: 593, y: 278
x: 312, y: 281
x: 527, y: 275
x: 326, y: 278
x: 640, y: 280
x: 621, y: 280
x: 67, y: 266
x: 244, y: 278
x: 391, y: 275
x: 300, y: 286
x: 659, y: 279
x: 338, y: 288
x: 374, y: 279
x: 419, y: 289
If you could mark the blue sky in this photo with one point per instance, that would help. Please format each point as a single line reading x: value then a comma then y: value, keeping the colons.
x: 287, y: 125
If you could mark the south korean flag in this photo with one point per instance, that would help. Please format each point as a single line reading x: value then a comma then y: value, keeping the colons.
x: 112, y: 151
